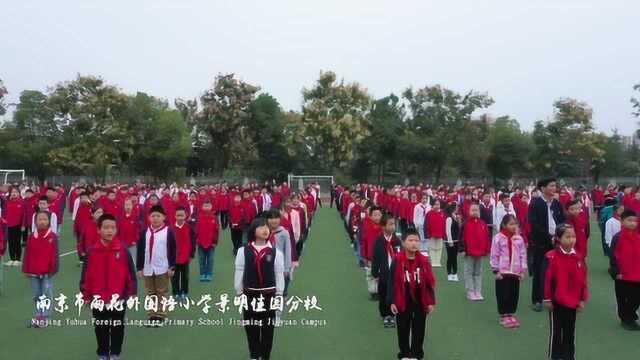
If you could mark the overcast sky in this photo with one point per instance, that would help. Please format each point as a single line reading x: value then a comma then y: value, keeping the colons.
x: 525, y: 54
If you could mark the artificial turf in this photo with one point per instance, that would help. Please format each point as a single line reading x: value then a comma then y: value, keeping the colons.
x: 348, y: 328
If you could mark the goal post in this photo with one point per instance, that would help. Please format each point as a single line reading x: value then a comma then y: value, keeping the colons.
x: 300, y: 182
x: 11, y: 175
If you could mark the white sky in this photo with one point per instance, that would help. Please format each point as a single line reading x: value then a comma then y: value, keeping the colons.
x: 525, y: 54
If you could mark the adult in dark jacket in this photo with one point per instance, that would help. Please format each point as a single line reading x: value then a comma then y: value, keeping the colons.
x: 545, y: 214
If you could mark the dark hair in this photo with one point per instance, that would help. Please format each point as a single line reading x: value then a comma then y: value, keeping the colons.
x: 181, y: 208
x: 385, y: 218
x: 503, y: 196
x: 272, y: 214
x: 571, y: 203
x: 206, y: 201
x: 28, y: 191
x: 627, y: 213
x: 545, y: 182
x: 375, y: 208
x: 507, y: 219
x: 450, y: 209
x: 251, y: 231
x: 43, y: 198
x: 105, y: 217
x: 158, y: 209
x: 561, y: 229
x: 410, y: 231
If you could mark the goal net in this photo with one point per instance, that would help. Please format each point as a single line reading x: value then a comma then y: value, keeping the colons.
x: 301, y: 182
x: 10, y: 176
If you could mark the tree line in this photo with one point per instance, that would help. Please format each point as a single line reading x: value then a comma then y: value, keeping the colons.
x: 87, y: 126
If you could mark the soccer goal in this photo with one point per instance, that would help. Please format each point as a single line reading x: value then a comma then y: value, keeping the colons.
x: 300, y: 182
x: 11, y: 176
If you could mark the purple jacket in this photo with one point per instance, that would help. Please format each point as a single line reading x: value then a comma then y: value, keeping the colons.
x: 500, y: 255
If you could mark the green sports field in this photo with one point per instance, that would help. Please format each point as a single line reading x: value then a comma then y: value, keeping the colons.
x: 457, y: 330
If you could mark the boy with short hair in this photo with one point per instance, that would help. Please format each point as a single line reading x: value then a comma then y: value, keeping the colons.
x: 411, y: 293
x: 625, y: 269
x: 108, y: 271
x: 156, y: 260
x: 207, y: 231
x: 185, y: 251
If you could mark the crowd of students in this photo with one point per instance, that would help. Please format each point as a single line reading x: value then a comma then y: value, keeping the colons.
x: 126, y: 233
x: 398, y: 234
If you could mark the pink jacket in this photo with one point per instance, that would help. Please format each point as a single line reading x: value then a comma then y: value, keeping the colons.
x: 501, y: 262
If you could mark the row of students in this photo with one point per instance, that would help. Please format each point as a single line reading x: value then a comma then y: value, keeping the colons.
x: 563, y: 278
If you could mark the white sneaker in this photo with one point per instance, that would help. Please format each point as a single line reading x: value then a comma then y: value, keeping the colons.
x: 17, y: 263
x: 9, y: 263
x: 454, y: 278
x: 449, y: 278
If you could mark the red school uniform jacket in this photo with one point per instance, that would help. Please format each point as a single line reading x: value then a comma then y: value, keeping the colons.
x: 41, y: 254
x: 128, y: 229
x: 30, y: 205
x: 185, y: 243
x: 434, y: 226
x: 88, y: 238
x: 14, y: 212
x: 207, y: 229
x: 581, y: 226
x: 565, y: 280
x: 370, y: 231
x: 475, y: 237
x: 625, y: 255
x: 417, y: 276
x: 236, y: 216
x: 83, y: 216
x: 249, y: 210
x: 108, y: 270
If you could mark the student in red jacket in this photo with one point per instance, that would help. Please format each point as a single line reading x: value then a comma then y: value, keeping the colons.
x: 30, y: 205
x: 90, y: 234
x: 108, y: 272
x: 435, y: 232
x: 40, y: 265
x: 625, y: 269
x: 411, y: 293
x: 575, y: 217
x: 370, y: 231
x: 207, y: 231
x: 129, y: 227
x: 476, y: 246
x: 14, y: 217
x: 185, y: 250
x: 237, y: 222
x: 565, y: 292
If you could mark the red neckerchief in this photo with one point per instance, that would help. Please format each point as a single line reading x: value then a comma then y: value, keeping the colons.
x: 258, y: 255
x: 152, y: 240
x: 509, y: 236
x: 388, y: 246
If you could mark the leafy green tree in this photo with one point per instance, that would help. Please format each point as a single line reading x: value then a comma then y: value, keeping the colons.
x: 167, y: 146
x: 381, y: 148
x: 508, y: 149
x: 93, y: 116
x: 225, y: 110
x: 439, y: 117
x: 568, y: 144
x: 335, y: 117
x: 267, y: 123
x: 3, y: 94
